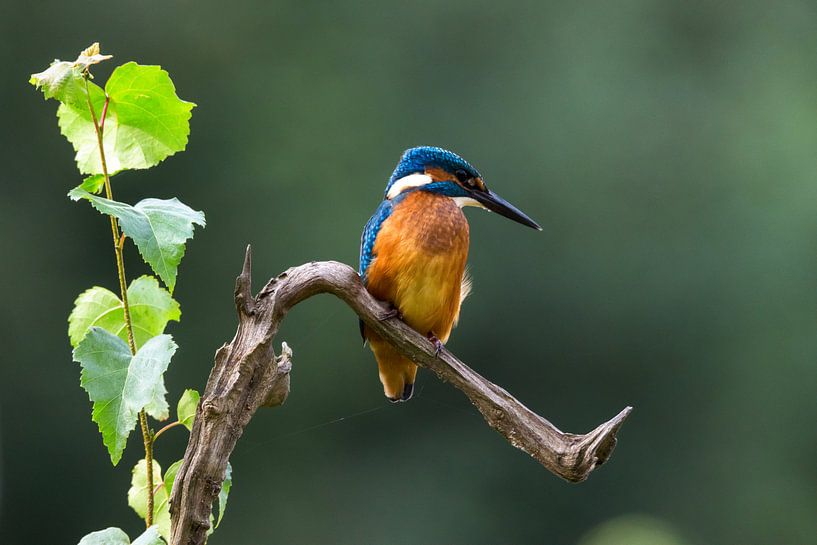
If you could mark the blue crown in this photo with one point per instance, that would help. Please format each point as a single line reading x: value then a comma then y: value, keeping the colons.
x: 417, y: 159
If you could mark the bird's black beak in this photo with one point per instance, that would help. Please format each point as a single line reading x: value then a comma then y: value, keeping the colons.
x: 495, y: 203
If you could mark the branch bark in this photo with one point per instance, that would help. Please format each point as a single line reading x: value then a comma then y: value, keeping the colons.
x: 247, y: 375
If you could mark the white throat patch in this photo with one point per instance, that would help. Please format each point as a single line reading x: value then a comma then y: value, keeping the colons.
x: 406, y: 182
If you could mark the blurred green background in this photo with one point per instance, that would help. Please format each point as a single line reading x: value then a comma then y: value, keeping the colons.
x: 669, y: 149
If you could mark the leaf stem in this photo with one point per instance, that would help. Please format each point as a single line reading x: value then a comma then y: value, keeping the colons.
x: 147, y: 436
x: 104, y: 113
x: 161, y: 431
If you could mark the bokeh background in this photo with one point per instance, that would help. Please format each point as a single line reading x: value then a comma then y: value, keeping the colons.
x: 669, y: 149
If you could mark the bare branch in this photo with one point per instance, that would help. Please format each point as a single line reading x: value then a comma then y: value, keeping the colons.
x: 247, y: 375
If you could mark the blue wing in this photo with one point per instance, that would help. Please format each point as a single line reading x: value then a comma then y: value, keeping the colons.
x: 370, y: 235
x: 367, y: 242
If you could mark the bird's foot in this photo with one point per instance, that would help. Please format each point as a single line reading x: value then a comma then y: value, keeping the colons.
x: 438, y: 344
x: 393, y: 312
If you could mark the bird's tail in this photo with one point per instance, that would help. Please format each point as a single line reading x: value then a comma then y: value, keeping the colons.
x: 397, y: 373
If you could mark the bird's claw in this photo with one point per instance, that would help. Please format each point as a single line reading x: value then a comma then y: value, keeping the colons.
x: 438, y: 344
x: 393, y: 312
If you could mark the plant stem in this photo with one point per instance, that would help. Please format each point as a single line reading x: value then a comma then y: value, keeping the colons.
x: 161, y: 431
x: 147, y: 437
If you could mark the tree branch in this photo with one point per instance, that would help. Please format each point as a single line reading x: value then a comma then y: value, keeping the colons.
x: 247, y: 375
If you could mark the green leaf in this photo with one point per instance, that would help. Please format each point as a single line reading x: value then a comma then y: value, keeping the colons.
x: 77, y: 125
x: 161, y: 518
x: 95, y: 307
x: 121, y: 385
x: 93, y: 184
x: 65, y: 81
x: 109, y: 536
x: 153, y: 122
x: 151, y: 308
x: 115, y: 536
x: 169, y: 480
x: 159, y: 228
x: 138, y: 492
x: 146, y: 121
x: 186, y: 409
x: 151, y: 537
x: 62, y: 81
x: 170, y: 476
x: 138, y: 496
x: 225, y: 493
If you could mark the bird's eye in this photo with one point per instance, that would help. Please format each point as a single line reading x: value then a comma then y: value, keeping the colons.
x: 461, y: 175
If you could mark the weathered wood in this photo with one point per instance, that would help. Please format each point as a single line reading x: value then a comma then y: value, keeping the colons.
x: 247, y: 375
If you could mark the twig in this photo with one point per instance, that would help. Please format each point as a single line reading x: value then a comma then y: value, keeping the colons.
x: 164, y: 429
x: 118, y: 243
x: 247, y: 375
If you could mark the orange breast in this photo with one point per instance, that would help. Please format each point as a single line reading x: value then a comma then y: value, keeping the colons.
x: 420, y: 255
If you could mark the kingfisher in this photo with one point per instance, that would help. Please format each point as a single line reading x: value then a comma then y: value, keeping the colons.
x: 413, y: 252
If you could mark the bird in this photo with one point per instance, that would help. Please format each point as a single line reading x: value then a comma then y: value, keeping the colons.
x: 413, y: 253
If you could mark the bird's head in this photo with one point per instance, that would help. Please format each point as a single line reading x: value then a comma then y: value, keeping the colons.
x: 440, y: 171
